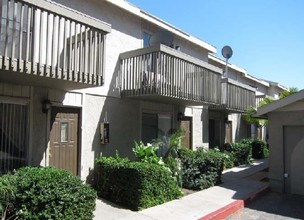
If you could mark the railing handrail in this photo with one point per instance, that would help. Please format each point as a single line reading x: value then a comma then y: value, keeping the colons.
x: 173, y: 52
x: 70, y: 14
x: 46, y: 39
x: 239, y: 84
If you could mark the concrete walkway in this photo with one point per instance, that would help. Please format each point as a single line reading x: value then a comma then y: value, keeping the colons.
x: 240, y: 185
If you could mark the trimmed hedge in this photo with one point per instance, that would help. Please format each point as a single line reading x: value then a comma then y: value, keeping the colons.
x: 259, y: 149
x: 201, y: 169
x: 135, y: 185
x: 49, y: 193
x: 237, y: 153
x: 241, y: 152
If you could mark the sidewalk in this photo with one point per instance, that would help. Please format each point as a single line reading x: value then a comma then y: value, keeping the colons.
x: 240, y: 185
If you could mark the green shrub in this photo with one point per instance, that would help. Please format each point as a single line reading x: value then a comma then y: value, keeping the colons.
x: 174, y: 166
x: 7, y: 195
x: 229, y: 160
x: 259, y: 149
x: 50, y: 193
x: 266, y: 152
x: 147, y: 154
x: 241, y: 152
x: 135, y: 185
x: 201, y: 169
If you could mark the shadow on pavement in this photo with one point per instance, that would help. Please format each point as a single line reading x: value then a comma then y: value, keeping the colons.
x: 280, y: 204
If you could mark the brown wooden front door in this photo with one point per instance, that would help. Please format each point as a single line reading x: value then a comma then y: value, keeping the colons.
x: 64, y: 139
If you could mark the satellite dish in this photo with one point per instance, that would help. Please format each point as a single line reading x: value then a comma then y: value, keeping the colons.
x: 162, y: 37
x: 227, y: 52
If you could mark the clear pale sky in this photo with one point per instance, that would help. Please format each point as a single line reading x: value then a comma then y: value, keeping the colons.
x: 267, y: 36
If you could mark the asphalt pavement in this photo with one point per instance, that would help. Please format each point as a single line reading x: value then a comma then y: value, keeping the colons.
x: 272, y: 206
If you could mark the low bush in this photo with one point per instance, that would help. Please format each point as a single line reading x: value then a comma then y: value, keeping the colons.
x: 241, y: 151
x: 229, y: 160
x: 135, y: 185
x: 201, y: 169
x: 50, y: 193
x: 237, y: 153
x: 259, y: 149
x: 7, y: 196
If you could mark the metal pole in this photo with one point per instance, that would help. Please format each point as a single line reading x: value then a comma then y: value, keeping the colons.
x: 226, y: 70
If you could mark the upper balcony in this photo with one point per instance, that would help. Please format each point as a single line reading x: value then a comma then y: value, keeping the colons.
x: 235, y: 96
x: 161, y: 73
x: 46, y: 44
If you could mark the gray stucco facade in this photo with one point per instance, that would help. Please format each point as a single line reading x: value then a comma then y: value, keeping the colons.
x: 94, y: 104
x: 286, y: 143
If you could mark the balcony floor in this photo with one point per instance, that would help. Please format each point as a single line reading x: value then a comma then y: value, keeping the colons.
x: 34, y: 80
x: 165, y: 99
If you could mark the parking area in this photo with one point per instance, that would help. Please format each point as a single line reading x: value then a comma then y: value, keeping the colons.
x: 272, y: 206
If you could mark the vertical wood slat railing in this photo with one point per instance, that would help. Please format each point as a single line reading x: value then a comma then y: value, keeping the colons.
x: 164, y: 71
x: 37, y: 41
x: 237, y: 96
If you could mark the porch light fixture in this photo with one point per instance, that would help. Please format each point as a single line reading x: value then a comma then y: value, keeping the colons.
x: 46, y: 105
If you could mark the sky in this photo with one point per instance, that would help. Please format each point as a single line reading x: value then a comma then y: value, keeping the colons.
x: 266, y: 36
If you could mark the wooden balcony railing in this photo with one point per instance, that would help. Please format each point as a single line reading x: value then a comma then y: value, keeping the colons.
x: 161, y: 72
x: 46, y: 39
x: 236, y: 96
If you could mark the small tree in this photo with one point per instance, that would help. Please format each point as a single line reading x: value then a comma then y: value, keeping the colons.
x: 256, y: 121
x: 288, y: 92
x: 251, y: 110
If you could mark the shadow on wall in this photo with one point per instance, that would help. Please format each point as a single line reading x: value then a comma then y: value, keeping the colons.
x: 205, y: 128
x: 39, y: 141
x: 123, y: 116
x: 243, y: 129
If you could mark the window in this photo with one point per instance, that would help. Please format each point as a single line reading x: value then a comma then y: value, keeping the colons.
x: 64, y: 132
x: 146, y: 39
x: 155, y: 126
x: 13, y: 136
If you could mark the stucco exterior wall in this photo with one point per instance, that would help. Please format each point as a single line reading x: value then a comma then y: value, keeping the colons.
x: 123, y: 117
x: 277, y: 121
x: 191, y: 50
x: 197, y: 128
x: 126, y: 35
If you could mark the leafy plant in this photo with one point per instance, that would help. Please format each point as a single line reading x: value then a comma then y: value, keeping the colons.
x: 201, y: 169
x: 50, y: 193
x: 147, y: 153
x: 165, y: 146
x: 174, y: 166
x: 252, y: 120
x: 7, y: 195
x: 229, y: 160
x: 135, y: 185
x: 289, y: 92
x: 169, y: 146
x: 259, y: 149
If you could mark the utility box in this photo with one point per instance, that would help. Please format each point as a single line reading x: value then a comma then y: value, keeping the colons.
x: 104, y: 132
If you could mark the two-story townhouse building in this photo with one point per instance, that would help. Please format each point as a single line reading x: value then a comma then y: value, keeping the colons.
x: 69, y: 69
x: 236, y: 127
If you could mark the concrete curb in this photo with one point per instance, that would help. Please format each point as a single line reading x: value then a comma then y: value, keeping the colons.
x: 233, y: 207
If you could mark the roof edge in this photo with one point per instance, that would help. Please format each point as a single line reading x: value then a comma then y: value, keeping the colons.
x: 264, y: 110
x: 127, y: 6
